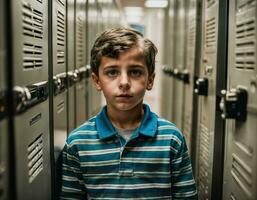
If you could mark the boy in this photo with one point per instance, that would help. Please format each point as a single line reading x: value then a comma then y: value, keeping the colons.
x: 126, y: 151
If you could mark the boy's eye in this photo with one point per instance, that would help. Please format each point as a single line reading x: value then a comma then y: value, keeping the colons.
x: 112, y: 72
x: 135, y: 72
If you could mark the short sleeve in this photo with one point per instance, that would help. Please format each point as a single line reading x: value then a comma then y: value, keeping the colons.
x: 183, y: 183
x: 72, y: 177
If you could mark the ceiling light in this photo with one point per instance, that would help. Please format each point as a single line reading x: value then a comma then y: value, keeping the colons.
x: 156, y: 3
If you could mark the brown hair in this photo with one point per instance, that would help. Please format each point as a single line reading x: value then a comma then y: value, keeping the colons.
x: 112, y: 42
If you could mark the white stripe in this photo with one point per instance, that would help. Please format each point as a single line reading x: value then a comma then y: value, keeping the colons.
x: 147, y: 160
x: 128, y: 186
x: 149, y: 148
x: 98, y: 152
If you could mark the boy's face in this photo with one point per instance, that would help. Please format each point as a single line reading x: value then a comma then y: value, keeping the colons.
x: 123, y: 80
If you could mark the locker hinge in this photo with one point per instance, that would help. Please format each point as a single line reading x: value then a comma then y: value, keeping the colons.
x: 26, y: 97
x: 233, y: 104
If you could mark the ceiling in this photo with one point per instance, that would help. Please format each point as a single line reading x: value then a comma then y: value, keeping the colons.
x: 132, y: 3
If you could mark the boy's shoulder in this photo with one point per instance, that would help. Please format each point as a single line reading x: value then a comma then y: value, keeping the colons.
x: 83, y: 131
x: 168, y: 128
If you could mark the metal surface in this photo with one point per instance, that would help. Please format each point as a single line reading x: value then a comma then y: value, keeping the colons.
x: 80, y: 55
x: 4, y: 183
x: 240, y: 176
x: 60, y: 76
x: 206, y: 119
x: 179, y: 62
x: 71, y: 62
x: 190, y: 67
x: 31, y: 128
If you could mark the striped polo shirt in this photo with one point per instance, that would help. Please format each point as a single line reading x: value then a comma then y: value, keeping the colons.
x: 153, y: 164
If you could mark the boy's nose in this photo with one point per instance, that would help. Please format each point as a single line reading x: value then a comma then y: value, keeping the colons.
x: 124, y: 81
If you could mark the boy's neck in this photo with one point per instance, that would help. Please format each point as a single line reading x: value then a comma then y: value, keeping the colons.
x: 126, y: 119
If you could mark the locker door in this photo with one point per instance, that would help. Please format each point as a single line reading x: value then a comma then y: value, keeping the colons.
x: 207, y: 81
x: 179, y: 52
x: 92, y: 31
x: 167, y: 81
x: 29, y: 21
x: 72, y: 75
x: 81, y: 61
x: 187, y: 75
x: 4, y: 173
x: 59, y: 75
x: 240, y: 174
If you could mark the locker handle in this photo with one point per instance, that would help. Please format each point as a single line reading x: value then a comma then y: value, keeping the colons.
x: 201, y: 86
x: 26, y: 97
x: 84, y: 72
x: 184, y: 76
x: 233, y: 104
x: 3, y: 104
x: 60, y: 83
x: 167, y: 70
x: 72, y: 77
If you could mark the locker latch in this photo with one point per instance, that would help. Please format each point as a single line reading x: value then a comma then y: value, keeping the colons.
x: 233, y: 104
x: 201, y: 86
x: 60, y: 83
x: 3, y: 104
x: 26, y: 97
x: 84, y: 72
x: 184, y: 76
x: 72, y: 77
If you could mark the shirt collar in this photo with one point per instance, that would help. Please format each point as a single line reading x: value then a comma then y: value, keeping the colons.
x: 105, y: 128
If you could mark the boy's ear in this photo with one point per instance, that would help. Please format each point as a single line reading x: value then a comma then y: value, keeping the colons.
x: 96, y: 82
x: 150, y: 81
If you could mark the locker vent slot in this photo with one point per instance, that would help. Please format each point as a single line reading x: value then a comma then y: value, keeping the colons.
x: 245, y: 44
x: 242, y: 174
x: 35, y: 157
x: 62, y: 2
x: 79, y: 42
x: 210, y: 3
x: 192, y: 31
x: 210, y: 33
x: 244, y: 4
x: 60, y: 107
x: 232, y: 197
x: 204, y: 159
x: 32, y: 56
x: 60, y: 28
x: 32, y: 21
x: 60, y: 57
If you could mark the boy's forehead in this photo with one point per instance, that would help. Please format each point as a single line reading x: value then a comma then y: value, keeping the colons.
x: 135, y: 53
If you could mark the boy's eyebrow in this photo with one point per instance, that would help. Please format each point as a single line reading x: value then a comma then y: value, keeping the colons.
x: 111, y: 66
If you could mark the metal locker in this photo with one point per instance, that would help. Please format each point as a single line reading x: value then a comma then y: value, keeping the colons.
x: 207, y: 100
x: 4, y: 155
x: 179, y: 52
x: 72, y: 75
x: 167, y: 81
x: 80, y: 55
x: 30, y: 74
x: 209, y: 126
x: 187, y: 75
x: 92, y: 23
x: 59, y: 76
x: 239, y: 103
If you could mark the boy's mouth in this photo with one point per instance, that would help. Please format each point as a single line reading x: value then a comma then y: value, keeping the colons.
x: 124, y: 95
